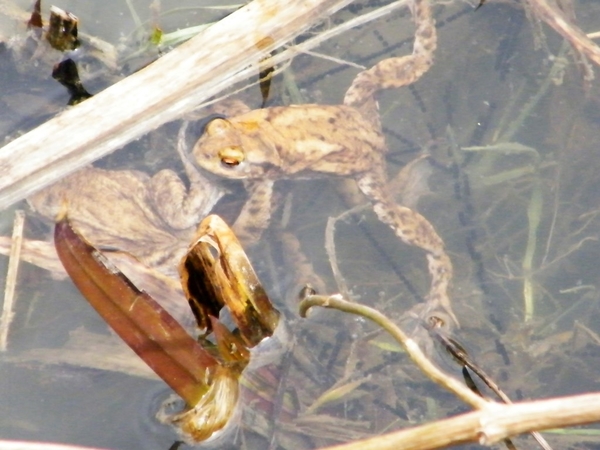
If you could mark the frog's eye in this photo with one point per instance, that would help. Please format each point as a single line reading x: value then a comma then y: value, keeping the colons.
x: 231, y: 156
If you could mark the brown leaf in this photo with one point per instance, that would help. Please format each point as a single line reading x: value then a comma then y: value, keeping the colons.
x: 216, y: 273
x: 35, y: 21
x: 139, y: 320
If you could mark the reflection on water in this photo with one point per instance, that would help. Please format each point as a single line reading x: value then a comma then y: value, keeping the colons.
x: 513, y: 191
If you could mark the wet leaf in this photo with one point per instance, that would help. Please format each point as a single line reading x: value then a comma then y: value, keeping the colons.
x: 219, y: 274
x: 66, y: 73
x: 62, y: 30
x: 216, y: 273
x: 35, y: 21
x: 156, y: 36
x: 230, y: 347
x: 336, y: 393
x: 139, y: 320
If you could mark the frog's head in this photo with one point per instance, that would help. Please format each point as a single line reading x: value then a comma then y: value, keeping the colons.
x: 231, y: 149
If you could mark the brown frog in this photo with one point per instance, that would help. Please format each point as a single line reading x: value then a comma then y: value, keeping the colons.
x: 151, y: 217
x: 307, y: 141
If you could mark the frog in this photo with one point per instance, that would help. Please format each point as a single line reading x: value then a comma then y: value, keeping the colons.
x: 309, y: 141
x: 152, y: 217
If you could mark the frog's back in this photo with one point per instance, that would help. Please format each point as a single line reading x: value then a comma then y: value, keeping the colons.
x: 313, y: 139
x: 108, y: 207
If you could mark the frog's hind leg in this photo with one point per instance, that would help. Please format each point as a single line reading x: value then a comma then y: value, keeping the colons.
x: 255, y: 216
x: 399, y: 71
x: 413, y: 229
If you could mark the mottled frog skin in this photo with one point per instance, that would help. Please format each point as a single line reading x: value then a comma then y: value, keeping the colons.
x: 308, y: 141
x: 151, y: 217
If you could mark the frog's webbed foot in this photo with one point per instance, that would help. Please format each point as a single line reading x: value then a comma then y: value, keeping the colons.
x: 413, y: 229
x: 255, y: 216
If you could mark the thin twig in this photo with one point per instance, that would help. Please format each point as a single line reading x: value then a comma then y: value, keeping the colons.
x: 411, y: 347
x: 571, y: 32
x: 333, y: 59
x: 525, y: 110
x: 356, y: 22
x: 11, y: 278
x: 331, y: 252
x: 555, y: 209
x: 460, y: 355
x: 477, y: 429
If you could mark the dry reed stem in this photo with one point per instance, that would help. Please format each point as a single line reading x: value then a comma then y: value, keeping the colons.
x: 409, y: 345
x: 489, y: 425
x: 28, y: 445
x: 571, y: 32
x: 11, y: 278
x: 157, y: 94
x: 493, y: 422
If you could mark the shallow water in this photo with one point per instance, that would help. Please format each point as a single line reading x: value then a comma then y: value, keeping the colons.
x: 489, y: 89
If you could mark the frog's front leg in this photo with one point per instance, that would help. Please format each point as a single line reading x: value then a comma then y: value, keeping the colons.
x: 413, y: 229
x: 181, y: 207
x: 256, y: 214
x: 178, y: 206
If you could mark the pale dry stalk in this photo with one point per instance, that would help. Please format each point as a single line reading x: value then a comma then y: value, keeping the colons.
x: 11, y: 278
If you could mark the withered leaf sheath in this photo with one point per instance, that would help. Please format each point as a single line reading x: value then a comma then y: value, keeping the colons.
x: 137, y: 318
x: 216, y: 273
